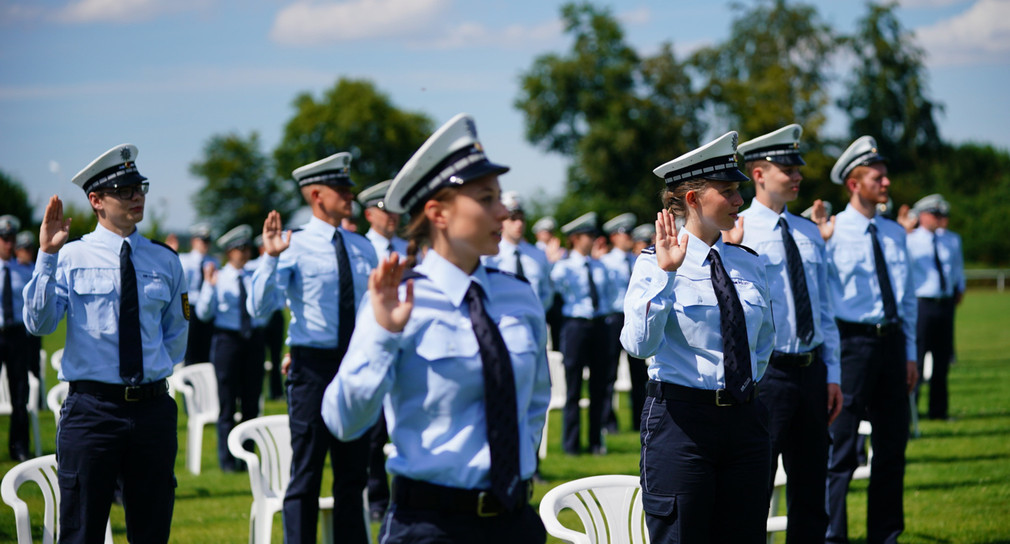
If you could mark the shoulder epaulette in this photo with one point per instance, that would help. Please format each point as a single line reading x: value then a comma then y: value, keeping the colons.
x: 512, y: 274
x: 412, y: 274
x: 164, y: 245
x: 745, y: 248
x: 651, y: 250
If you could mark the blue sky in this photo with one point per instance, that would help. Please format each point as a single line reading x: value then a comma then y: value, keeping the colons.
x: 81, y: 76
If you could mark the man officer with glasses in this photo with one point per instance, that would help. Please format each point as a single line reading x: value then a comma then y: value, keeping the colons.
x: 127, y: 312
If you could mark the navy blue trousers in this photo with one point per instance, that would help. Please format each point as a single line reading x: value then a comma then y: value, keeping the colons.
x: 584, y: 342
x: 14, y: 352
x: 412, y: 526
x: 99, y: 441
x: 873, y: 384
x: 308, y: 377
x: 935, y: 333
x: 238, y: 364
x: 797, y: 400
x: 704, y: 472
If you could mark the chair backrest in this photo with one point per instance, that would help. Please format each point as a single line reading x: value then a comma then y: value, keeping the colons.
x: 42, y: 471
x: 609, y: 506
x: 5, y: 398
x: 269, y: 472
x: 55, y: 398
x: 57, y: 360
x: 198, y: 384
x: 556, y: 366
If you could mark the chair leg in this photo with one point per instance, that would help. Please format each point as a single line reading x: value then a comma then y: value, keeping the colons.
x: 36, y: 435
x: 542, y: 453
x: 194, y: 447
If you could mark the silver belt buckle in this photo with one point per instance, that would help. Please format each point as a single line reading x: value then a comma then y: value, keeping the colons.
x: 718, y: 398
x: 480, y: 506
x: 127, y: 393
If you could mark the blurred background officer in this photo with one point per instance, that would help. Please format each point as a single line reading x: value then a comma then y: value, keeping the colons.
x: 518, y: 256
x: 322, y: 270
x: 543, y: 231
x: 938, y: 275
x: 15, y: 345
x: 550, y: 244
x: 954, y: 241
x: 644, y: 235
x: 193, y: 263
x: 800, y: 388
x: 586, y: 294
x: 619, y: 262
x: 126, y: 308
x: 273, y: 334
x: 699, y: 307
x: 26, y: 248
x: 870, y: 278
x: 382, y: 234
x: 456, y: 354
x: 236, y: 348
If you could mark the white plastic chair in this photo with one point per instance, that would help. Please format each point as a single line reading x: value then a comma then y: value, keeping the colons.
x: 777, y: 523
x: 269, y: 473
x: 6, y: 408
x: 42, y: 471
x: 198, y: 385
x: 55, y: 398
x: 863, y: 471
x: 43, y: 357
x: 57, y: 360
x: 609, y: 506
x: 623, y: 382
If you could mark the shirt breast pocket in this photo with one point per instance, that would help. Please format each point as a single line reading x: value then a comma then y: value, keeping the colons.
x: 155, y: 290
x: 96, y: 297
x: 699, y: 308
x: 444, y: 340
x: 453, y: 359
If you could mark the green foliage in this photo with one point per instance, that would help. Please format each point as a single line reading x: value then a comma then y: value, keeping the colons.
x: 83, y: 220
x: 352, y: 116
x: 239, y: 186
x: 616, y: 114
x: 887, y: 90
x: 15, y: 200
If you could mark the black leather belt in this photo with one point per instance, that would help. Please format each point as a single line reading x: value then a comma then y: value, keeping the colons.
x: 869, y: 329
x: 124, y: 393
x: 717, y: 397
x: 428, y: 496
x: 793, y: 360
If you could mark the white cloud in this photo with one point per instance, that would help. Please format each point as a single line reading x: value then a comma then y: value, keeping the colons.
x: 637, y: 16
x: 977, y: 36
x: 311, y: 22
x: 915, y: 4
x: 508, y: 37
x: 123, y: 11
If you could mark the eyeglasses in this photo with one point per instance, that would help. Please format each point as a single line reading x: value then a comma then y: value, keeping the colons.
x: 128, y: 192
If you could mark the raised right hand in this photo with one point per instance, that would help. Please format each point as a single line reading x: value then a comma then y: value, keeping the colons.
x: 210, y: 274
x: 384, y: 289
x: 274, y: 241
x: 670, y: 252
x: 55, y: 230
x: 819, y: 215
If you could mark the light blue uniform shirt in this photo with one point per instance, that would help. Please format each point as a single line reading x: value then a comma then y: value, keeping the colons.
x: 852, y: 273
x: 431, y: 378
x: 82, y: 280
x: 619, y: 264
x: 20, y: 274
x: 674, y: 316
x: 954, y: 241
x: 924, y: 273
x: 219, y: 303
x: 536, y: 269
x: 572, y: 282
x: 763, y: 234
x: 192, y: 264
x: 306, y: 273
x: 381, y: 245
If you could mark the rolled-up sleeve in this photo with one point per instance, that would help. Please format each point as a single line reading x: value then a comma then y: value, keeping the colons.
x: 647, y: 307
x: 45, y: 298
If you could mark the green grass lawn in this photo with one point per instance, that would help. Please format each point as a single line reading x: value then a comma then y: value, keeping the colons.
x: 957, y: 484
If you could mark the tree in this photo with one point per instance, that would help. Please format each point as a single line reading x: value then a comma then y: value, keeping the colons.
x: 613, y: 113
x: 352, y: 116
x: 15, y: 200
x: 887, y: 90
x: 239, y: 186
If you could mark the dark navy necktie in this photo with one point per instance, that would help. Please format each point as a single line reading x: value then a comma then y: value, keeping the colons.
x: 594, y: 295
x: 499, y: 400
x: 883, y: 278
x: 733, y: 325
x: 245, y: 320
x: 131, y: 352
x: 939, y: 267
x: 519, y: 265
x: 798, y: 282
x: 346, y: 298
x: 8, y: 295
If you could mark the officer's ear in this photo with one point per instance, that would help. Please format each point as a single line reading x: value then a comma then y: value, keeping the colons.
x: 435, y: 211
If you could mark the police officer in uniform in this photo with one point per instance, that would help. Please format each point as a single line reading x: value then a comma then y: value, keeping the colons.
x: 800, y: 388
x: 587, y: 295
x: 15, y: 345
x: 619, y: 262
x: 25, y: 251
x: 699, y: 307
x: 322, y: 270
x: 518, y: 256
x: 273, y: 333
x: 938, y: 276
x: 193, y: 263
x: 954, y: 241
x: 870, y: 279
x: 126, y: 308
x: 455, y: 356
x: 236, y: 349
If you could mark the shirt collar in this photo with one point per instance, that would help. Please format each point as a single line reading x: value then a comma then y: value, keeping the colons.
x: 113, y: 240
x: 316, y: 224
x: 697, y: 249
x: 449, y: 279
x: 765, y: 213
x: 859, y: 220
x: 506, y: 247
x: 372, y: 234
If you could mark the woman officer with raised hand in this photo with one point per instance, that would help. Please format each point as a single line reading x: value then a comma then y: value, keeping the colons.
x: 456, y: 351
x: 699, y: 306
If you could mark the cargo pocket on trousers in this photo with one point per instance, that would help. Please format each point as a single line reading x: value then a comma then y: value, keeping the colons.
x: 70, y: 499
x: 663, y: 506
